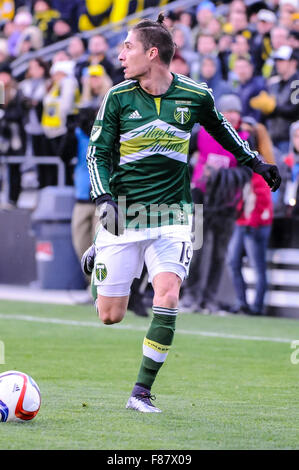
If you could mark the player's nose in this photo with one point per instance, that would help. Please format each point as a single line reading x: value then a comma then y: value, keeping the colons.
x: 121, y: 55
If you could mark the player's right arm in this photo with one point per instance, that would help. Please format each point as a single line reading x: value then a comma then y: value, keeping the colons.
x: 103, y: 137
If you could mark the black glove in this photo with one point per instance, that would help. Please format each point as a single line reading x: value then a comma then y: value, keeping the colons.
x: 87, y: 260
x: 270, y: 173
x: 110, y: 216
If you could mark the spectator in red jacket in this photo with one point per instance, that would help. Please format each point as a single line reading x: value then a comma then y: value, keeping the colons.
x: 250, y: 237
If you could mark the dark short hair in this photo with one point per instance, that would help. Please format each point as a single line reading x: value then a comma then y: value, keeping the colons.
x: 155, y: 34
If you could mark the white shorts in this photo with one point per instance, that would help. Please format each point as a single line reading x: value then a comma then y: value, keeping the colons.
x: 116, y: 265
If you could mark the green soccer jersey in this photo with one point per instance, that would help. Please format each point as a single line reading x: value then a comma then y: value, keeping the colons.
x: 138, y: 147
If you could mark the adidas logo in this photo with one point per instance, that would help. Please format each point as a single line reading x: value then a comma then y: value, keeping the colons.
x: 16, y: 388
x: 135, y: 115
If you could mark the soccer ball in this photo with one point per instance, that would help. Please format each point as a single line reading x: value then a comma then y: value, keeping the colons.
x: 19, y: 397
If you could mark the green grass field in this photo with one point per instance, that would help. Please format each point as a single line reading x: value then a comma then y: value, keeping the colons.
x: 228, y: 382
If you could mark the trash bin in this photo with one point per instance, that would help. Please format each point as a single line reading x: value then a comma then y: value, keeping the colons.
x: 57, y: 264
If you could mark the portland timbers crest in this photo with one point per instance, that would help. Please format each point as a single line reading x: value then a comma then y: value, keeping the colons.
x: 182, y: 114
x: 101, y: 271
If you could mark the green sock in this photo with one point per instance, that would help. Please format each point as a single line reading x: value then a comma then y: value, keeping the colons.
x: 156, y: 344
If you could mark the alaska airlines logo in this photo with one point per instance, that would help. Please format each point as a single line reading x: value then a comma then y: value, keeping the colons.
x: 159, y: 139
x: 182, y: 114
x: 153, y: 132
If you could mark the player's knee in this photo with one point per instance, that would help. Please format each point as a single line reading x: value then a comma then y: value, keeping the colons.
x: 107, y: 320
x: 111, y: 316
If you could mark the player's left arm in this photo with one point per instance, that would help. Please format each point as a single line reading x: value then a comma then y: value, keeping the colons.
x: 222, y: 131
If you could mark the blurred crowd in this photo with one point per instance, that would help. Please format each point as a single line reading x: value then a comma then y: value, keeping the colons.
x: 247, y: 51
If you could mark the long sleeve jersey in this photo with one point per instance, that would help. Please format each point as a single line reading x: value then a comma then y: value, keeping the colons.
x: 139, y: 143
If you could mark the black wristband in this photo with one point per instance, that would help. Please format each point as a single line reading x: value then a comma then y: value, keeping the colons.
x: 103, y: 198
x: 254, y: 163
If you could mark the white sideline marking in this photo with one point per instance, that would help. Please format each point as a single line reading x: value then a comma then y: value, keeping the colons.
x: 58, y: 321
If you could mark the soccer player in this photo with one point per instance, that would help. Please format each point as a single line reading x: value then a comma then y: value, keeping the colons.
x: 137, y: 160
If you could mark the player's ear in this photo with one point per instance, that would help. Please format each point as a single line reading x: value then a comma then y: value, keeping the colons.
x: 153, y: 52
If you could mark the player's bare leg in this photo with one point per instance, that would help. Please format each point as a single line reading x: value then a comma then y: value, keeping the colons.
x: 166, y: 290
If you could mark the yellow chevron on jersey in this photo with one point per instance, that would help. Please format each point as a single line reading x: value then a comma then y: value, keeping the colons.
x: 153, y: 138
